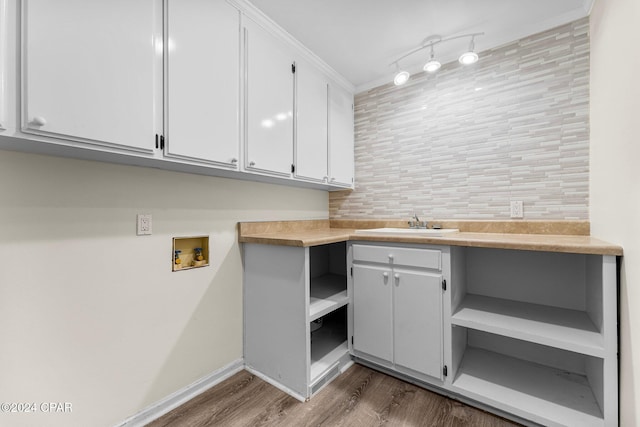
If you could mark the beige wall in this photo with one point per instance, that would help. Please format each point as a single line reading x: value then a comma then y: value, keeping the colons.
x: 615, y: 175
x: 91, y: 313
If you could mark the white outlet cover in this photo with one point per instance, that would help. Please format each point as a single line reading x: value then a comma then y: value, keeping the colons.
x: 144, y: 224
x: 517, y: 210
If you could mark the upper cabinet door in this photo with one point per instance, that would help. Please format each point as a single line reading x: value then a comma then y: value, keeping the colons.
x: 4, y: 63
x: 340, y: 136
x: 311, y: 123
x: 203, y: 81
x: 92, y: 71
x: 269, y: 103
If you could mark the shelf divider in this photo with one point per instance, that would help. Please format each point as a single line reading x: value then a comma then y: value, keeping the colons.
x: 327, y: 293
x: 570, y: 330
x: 536, y: 392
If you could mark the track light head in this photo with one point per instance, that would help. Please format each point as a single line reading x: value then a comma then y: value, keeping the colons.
x: 401, y: 78
x: 433, y: 64
x: 469, y: 57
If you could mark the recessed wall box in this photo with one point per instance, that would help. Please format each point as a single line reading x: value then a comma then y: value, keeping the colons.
x: 190, y: 252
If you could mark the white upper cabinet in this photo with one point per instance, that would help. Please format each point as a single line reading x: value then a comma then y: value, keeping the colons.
x: 269, y: 102
x: 203, y: 81
x: 208, y: 86
x: 311, y: 150
x: 4, y: 23
x: 340, y: 136
x: 92, y: 71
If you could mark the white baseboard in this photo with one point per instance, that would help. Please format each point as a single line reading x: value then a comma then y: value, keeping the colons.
x: 161, y: 407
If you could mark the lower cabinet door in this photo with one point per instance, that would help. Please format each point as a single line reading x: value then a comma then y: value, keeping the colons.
x: 372, y: 316
x: 417, y: 326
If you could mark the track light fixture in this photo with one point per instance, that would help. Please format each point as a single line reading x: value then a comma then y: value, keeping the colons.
x: 433, y: 65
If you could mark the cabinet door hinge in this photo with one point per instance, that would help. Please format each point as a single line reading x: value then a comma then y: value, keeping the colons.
x: 444, y: 284
x: 293, y: 68
x: 444, y: 370
x: 293, y: 168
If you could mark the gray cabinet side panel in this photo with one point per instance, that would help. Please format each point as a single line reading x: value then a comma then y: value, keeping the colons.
x: 275, y: 318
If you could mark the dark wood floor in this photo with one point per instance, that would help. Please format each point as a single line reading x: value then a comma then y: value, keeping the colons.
x: 359, y: 397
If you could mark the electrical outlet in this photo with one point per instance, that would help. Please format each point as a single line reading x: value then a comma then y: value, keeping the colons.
x: 144, y: 224
x: 517, y: 210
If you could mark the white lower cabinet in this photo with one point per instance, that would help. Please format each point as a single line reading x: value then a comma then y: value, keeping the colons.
x: 531, y: 335
x: 417, y: 322
x: 295, y: 315
x: 373, y: 315
x: 397, y: 308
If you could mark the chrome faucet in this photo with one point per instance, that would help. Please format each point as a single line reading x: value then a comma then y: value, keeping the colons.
x: 415, y: 222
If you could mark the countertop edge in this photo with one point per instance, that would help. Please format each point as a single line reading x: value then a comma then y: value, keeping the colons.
x: 579, y: 244
x: 587, y: 248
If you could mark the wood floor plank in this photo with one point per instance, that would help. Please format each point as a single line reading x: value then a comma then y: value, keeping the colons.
x: 360, y: 397
x: 336, y: 404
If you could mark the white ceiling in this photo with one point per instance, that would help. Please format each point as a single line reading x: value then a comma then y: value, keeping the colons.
x: 360, y: 38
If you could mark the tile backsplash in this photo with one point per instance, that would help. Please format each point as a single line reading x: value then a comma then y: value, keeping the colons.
x: 464, y: 142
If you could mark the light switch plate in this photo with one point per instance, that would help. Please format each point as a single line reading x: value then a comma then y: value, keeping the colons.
x: 144, y: 224
x: 517, y: 209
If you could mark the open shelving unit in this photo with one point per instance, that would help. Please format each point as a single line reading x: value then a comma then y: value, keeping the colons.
x: 328, y: 298
x: 534, y: 334
x: 295, y: 315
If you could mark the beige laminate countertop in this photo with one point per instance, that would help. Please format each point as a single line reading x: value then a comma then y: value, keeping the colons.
x: 319, y: 232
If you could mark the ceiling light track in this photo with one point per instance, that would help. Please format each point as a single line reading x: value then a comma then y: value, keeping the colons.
x: 467, y: 58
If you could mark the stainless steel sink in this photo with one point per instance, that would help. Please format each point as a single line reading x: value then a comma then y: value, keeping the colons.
x: 432, y: 232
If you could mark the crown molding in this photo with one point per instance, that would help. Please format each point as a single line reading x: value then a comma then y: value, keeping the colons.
x: 250, y: 11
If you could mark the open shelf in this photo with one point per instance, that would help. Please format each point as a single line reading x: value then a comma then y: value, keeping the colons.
x: 540, y: 393
x: 329, y: 343
x: 327, y: 293
x: 326, y: 356
x: 566, y: 329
